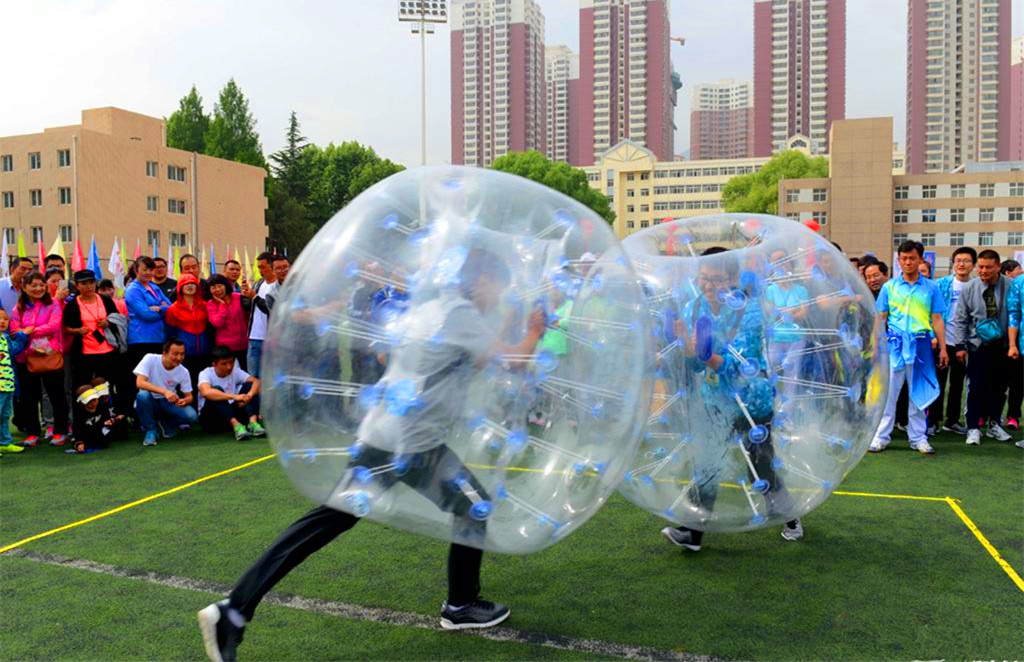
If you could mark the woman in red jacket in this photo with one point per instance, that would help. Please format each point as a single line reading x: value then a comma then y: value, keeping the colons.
x: 228, y: 318
x: 188, y: 321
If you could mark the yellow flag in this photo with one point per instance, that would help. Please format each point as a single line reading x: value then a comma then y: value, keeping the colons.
x: 177, y: 261
x: 255, y: 266
x: 57, y: 248
x: 21, y: 245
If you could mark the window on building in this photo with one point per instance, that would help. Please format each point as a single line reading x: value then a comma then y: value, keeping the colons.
x: 8, y: 197
x: 9, y: 236
x: 151, y: 168
x: 956, y: 215
x: 152, y: 237
x: 645, y: 224
x: 630, y: 209
x: 793, y: 216
x: 644, y: 192
x: 65, y: 233
x: 63, y: 158
x: 176, y: 173
x: 1015, y: 213
x: 956, y: 238
x: 820, y: 216
x: 1017, y: 189
x: 898, y: 238
x: 37, y: 233
x: 35, y: 160
x: 986, y: 238
x: 900, y: 216
x: 820, y: 195
x: 630, y: 193
x: 645, y: 208
x: 7, y: 163
x: 630, y: 177
x: 64, y: 195
x: 987, y: 190
x: 792, y: 195
x: 152, y: 203
x: 901, y: 192
x: 36, y: 197
x: 1015, y: 238
x: 928, y: 215
x: 929, y: 191
x: 630, y: 225
x: 644, y: 176
x: 986, y: 215
x: 175, y: 206
x: 177, y: 239
x: 928, y: 239
x: 957, y: 190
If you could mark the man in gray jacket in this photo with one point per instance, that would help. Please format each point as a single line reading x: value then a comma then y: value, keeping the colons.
x: 981, y: 331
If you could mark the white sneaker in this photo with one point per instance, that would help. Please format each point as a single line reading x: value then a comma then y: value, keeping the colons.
x: 996, y: 432
x: 796, y: 532
x: 1020, y: 444
x: 923, y: 447
x: 877, y: 446
x: 974, y: 437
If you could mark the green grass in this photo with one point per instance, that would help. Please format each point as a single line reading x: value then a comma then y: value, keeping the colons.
x: 874, y: 578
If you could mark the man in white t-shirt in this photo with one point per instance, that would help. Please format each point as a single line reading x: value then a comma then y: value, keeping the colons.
x: 260, y: 317
x: 961, y: 267
x: 165, y: 393
x: 229, y: 396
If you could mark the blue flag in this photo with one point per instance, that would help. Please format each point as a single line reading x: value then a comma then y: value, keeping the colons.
x: 94, y: 261
x: 213, y: 261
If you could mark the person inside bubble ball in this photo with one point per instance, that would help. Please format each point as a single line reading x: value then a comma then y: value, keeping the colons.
x: 734, y: 390
x: 461, y: 339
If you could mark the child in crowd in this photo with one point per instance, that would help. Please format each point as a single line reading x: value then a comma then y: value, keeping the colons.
x: 95, y: 422
x: 228, y: 396
x: 10, y: 345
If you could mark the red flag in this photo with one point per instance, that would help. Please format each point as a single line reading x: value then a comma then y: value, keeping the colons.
x: 78, y: 260
x: 138, y: 250
x: 42, y: 256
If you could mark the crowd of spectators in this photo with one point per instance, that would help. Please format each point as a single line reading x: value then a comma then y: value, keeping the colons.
x: 81, y: 367
x: 947, y: 335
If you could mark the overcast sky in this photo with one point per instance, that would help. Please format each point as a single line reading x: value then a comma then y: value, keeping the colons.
x: 347, y: 67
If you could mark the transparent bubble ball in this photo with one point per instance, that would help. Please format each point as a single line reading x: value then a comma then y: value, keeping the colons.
x: 768, y: 377
x: 460, y: 353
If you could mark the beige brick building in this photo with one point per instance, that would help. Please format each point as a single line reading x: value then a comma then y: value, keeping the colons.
x: 114, y: 176
x: 864, y: 207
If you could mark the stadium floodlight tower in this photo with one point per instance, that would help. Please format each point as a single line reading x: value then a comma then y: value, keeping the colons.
x: 423, y: 14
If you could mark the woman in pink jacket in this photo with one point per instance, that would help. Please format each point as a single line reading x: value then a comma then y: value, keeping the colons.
x: 228, y: 318
x: 38, y: 316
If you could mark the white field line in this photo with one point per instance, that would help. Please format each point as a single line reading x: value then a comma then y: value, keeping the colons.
x: 374, y: 614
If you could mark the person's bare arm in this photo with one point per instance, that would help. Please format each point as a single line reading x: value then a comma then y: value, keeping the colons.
x: 940, y: 335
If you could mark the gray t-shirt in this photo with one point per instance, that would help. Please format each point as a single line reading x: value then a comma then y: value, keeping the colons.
x: 952, y: 337
x: 423, y: 391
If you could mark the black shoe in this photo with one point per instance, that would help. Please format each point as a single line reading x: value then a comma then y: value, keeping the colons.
x: 681, y: 538
x: 220, y: 636
x: 477, y: 614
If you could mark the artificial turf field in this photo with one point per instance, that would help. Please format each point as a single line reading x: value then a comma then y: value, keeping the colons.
x: 874, y: 577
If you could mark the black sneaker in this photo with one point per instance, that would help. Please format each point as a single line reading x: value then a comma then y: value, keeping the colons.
x: 477, y: 614
x: 220, y: 636
x: 681, y: 538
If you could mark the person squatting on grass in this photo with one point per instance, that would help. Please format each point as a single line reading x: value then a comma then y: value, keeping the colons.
x: 165, y: 393
x: 229, y: 397
x: 96, y: 424
x: 469, y: 340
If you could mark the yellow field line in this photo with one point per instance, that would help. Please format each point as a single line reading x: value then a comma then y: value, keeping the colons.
x: 893, y: 496
x: 1007, y: 568
x: 126, y: 506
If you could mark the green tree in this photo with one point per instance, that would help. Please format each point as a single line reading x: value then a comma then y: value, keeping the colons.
x: 560, y: 176
x: 291, y: 165
x: 342, y: 172
x: 758, y: 192
x: 232, y: 132
x: 287, y: 220
x: 187, y: 126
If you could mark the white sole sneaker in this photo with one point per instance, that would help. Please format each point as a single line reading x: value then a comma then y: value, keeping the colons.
x: 666, y: 533
x: 208, y: 619
x: 449, y: 625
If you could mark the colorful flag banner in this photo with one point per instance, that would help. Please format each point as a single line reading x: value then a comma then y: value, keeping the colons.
x: 116, y: 266
x: 5, y: 264
x: 176, y: 263
x: 213, y: 262
x: 138, y: 249
x: 247, y: 265
x: 57, y: 248
x: 21, y: 244
x: 94, y: 260
x: 42, y: 255
x: 204, y: 266
x: 78, y: 259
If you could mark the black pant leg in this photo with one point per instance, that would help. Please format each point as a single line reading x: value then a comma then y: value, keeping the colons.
x: 463, y: 574
x: 306, y: 535
x: 53, y: 382
x: 998, y: 371
x: 1015, y: 389
x: 26, y: 408
x: 903, y: 406
x: 977, y: 388
x: 935, y: 408
x: 955, y: 390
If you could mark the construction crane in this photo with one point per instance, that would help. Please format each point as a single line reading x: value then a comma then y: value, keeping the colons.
x: 680, y: 40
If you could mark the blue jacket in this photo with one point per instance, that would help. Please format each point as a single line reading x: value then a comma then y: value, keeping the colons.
x: 145, y: 325
x: 1015, y: 308
x: 946, y: 289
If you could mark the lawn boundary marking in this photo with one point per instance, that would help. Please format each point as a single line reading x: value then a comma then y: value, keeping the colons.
x: 989, y: 547
x: 374, y: 614
x: 137, y: 502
